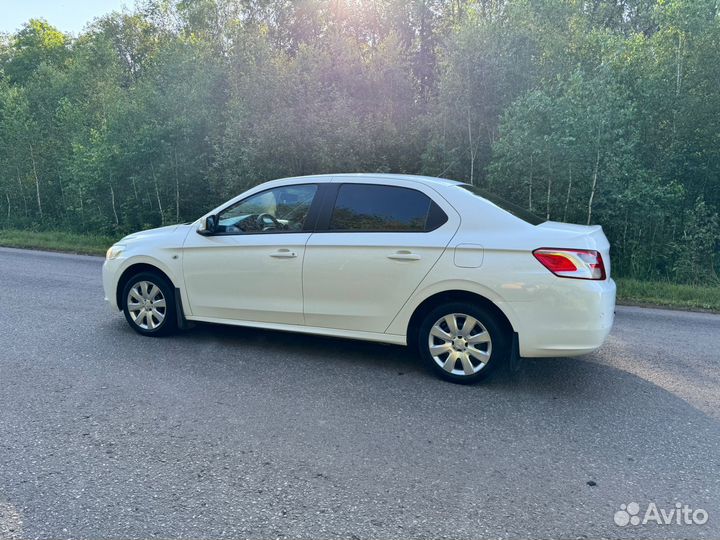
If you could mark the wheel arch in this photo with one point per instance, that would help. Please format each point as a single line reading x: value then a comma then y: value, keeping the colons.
x: 133, y: 270
x: 453, y: 295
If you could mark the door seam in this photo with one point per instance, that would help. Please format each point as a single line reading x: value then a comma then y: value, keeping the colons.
x: 422, y: 280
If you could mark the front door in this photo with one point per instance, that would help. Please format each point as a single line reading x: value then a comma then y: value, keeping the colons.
x: 251, y: 268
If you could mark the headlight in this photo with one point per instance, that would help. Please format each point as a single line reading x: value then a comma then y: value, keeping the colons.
x: 114, y: 252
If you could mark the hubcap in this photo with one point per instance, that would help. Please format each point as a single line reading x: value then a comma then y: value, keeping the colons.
x: 460, y: 344
x: 146, y: 305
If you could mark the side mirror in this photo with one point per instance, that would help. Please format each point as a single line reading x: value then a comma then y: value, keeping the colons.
x: 209, y: 227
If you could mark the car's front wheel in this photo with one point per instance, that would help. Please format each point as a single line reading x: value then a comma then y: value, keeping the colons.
x: 149, y: 304
x: 462, y: 342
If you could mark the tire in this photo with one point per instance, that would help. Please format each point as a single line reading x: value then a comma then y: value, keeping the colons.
x: 478, y: 350
x: 154, y: 298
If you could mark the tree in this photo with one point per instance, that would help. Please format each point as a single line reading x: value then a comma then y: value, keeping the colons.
x: 36, y: 44
x: 601, y: 111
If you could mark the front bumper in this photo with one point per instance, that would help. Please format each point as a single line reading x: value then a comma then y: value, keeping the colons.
x: 109, y: 280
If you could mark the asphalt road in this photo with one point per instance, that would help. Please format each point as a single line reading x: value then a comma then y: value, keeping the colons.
x: 227, y: 432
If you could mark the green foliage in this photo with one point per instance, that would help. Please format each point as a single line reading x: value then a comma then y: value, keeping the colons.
x: 693, y: 254
x: 36, y: 45
x: 590, y: 112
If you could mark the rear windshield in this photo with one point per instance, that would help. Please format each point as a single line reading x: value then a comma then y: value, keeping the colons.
x: 514, y: 209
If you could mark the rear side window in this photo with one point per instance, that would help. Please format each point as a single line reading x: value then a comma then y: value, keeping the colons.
x: 376, y: 208
x: 512, y: 208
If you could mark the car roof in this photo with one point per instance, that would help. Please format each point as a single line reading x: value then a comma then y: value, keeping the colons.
x: 427, y: 180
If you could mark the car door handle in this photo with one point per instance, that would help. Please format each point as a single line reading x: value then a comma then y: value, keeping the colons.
x: 284, y: 254
x: 404, y: 255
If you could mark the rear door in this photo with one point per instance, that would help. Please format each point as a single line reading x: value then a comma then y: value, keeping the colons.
x: 373, y: 245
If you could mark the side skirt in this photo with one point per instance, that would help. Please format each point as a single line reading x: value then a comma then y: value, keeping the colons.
x: 333, y: 332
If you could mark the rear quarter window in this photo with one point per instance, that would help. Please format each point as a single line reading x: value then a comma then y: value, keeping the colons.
x: 512, y: 208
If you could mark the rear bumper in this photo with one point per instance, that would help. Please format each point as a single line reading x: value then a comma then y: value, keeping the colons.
x: 572, y: 318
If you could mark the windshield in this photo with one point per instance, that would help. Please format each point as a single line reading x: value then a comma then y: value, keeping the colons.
x: 514, y: 209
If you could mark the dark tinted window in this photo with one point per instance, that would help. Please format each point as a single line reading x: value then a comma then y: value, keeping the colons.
x: 514, y: 209
x: 364, y: 207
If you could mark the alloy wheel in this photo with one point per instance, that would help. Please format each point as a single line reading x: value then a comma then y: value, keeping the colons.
x: 147, y: 305
x: 460, y: 344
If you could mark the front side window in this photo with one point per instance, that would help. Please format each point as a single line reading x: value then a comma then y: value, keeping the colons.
x: 376, y: 208
x: 281, y: 209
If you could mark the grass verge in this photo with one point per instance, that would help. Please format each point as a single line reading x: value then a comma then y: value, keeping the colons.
x: 665, y: 294
x: 84, y: 244
x: 630, y: 291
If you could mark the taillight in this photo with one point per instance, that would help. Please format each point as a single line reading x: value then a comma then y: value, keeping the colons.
x: 572, y: 263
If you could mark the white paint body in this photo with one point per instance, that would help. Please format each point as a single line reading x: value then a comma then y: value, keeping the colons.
x: 368, y: 285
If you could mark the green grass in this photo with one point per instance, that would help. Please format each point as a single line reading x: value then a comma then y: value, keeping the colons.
x: 56, y: 241
x: 663, y: 293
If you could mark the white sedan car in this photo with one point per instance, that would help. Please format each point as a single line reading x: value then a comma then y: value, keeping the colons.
x: 467, y: 280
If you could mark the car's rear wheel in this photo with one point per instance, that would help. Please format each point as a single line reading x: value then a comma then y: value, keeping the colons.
x: 149, y: 304
x: 462, y: 342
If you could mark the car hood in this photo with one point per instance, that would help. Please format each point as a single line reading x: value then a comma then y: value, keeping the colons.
x: 155, y: 233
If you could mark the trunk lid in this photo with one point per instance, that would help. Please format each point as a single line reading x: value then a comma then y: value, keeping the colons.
x: 575, y: 236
